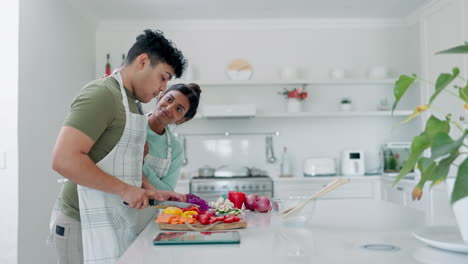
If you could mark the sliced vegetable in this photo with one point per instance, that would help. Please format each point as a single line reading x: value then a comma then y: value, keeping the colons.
x: 189, y: 214
x: 192, y: 198
x: 173, y: 211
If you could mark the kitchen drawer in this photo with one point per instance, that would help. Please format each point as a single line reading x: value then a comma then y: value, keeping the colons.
x: 351, y: 190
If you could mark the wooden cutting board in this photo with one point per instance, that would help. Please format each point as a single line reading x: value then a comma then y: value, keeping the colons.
x: 200, y: 227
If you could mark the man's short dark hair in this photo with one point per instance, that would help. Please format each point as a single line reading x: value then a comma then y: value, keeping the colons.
x: 159, y: 49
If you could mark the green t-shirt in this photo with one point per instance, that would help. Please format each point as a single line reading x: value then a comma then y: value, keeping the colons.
x: 157, y: 145
x: 98, y: 112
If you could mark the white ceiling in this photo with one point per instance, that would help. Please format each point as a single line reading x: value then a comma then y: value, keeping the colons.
x: 103, y: 10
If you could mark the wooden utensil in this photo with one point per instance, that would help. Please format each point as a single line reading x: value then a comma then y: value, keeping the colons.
x: 295, y: 210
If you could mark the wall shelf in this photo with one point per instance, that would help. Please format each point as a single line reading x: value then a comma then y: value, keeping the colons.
x: 399, y: 113
x: 290, y: 82
x: 337, y: 114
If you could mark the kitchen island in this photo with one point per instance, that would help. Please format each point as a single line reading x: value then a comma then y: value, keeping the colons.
x: 339, y: 231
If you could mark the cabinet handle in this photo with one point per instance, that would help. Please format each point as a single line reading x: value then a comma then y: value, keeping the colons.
x: 462, y: 118
x: 400, y: 188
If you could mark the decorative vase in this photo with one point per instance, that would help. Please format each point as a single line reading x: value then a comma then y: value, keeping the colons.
x: 346, y: 107
x: 294, y: 105
x: 460, y: 210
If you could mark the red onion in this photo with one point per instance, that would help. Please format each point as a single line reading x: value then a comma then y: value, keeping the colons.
x: 250, y: 201
x: 262, y: 204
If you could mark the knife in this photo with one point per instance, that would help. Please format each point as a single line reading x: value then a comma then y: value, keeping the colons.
x: 165, y: 204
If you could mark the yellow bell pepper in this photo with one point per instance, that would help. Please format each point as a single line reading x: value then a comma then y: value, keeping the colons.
x: 189, y: 214
x: 173, y: 211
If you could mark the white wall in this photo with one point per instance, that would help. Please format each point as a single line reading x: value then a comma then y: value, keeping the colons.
x: 313, y: 47
x: 56, y: 58
x: 8, y: 132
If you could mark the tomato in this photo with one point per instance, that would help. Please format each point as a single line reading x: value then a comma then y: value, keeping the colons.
x: 229, y: 220
x: 236, y: 218
x: 204, y: 219
x: 210, y: 213
x: 220, y: 218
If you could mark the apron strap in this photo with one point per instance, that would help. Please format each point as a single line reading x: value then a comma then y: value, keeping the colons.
x: 118, y: 77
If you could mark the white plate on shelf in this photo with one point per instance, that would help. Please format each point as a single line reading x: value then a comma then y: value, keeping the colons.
x: 442, y: 237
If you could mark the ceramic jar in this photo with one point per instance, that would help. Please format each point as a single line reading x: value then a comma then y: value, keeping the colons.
x: 294, y: 105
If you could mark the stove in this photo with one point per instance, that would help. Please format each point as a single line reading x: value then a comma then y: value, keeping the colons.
x: 211, y: 188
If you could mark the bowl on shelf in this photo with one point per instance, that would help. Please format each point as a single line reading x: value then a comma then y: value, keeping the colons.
x: 282, y: 203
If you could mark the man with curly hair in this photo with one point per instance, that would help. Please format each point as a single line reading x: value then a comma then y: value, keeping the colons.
x: 99, y: 151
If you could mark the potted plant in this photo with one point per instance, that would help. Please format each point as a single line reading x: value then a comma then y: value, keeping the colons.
x: 445, y: 151
x: 294, y: 97
x: 346, y: 104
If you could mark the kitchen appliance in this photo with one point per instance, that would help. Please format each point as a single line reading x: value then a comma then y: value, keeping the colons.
x: 210, y: 189
x: 394, y: 155
x: 352, y: 162
x: 319, y: 167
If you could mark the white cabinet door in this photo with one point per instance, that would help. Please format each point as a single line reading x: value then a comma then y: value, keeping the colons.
x: 393, y: 194
x: 401, y: 194
x: 440, y: 209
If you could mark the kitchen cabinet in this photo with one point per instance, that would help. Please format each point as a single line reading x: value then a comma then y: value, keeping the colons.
x: 440, y: 210
x: 366, y: 187
x: 434, y: 202
x: 401, y: 194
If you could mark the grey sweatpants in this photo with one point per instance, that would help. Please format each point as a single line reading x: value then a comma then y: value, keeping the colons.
x: 68, y: 242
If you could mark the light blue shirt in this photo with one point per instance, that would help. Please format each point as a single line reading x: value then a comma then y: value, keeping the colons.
x: 158, y: 148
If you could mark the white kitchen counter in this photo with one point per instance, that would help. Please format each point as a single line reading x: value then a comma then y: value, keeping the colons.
x: 336, y: 233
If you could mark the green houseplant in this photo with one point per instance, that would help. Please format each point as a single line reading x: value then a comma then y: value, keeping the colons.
x: 444, y: 150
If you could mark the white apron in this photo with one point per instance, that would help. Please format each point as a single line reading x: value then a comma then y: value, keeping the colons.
x: 108, y: 226
x: 160, y: 167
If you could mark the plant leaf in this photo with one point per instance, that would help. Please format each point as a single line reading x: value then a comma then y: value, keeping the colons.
x: 426, y: 166
x: 401, y: 85
x: 443, y: 144
x: 421, y: 143
x: 463, y: 92
x: 435, y: 126
x: 455, y: 50
x: 415, y: 113
x: 442, y: 169
x: 418, y: 145
x: 443, y: 80
x: 460, y: 189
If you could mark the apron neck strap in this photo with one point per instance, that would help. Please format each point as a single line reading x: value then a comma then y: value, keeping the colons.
x: 118, y: 77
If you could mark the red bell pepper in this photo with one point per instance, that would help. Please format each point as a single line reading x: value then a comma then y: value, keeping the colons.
x: 237, y: 198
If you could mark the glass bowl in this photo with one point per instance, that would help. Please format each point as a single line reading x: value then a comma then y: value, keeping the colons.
x: 305, y: 215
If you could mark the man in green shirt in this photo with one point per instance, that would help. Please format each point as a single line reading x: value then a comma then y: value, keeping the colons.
x: 94, y: 127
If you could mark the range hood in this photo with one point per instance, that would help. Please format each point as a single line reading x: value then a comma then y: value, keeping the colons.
x: 229, y: 110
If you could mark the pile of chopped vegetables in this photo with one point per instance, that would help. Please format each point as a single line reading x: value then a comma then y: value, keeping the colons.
x: 193, y: 199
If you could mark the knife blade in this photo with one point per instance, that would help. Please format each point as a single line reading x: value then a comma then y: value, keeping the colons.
x: 164, y: 204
